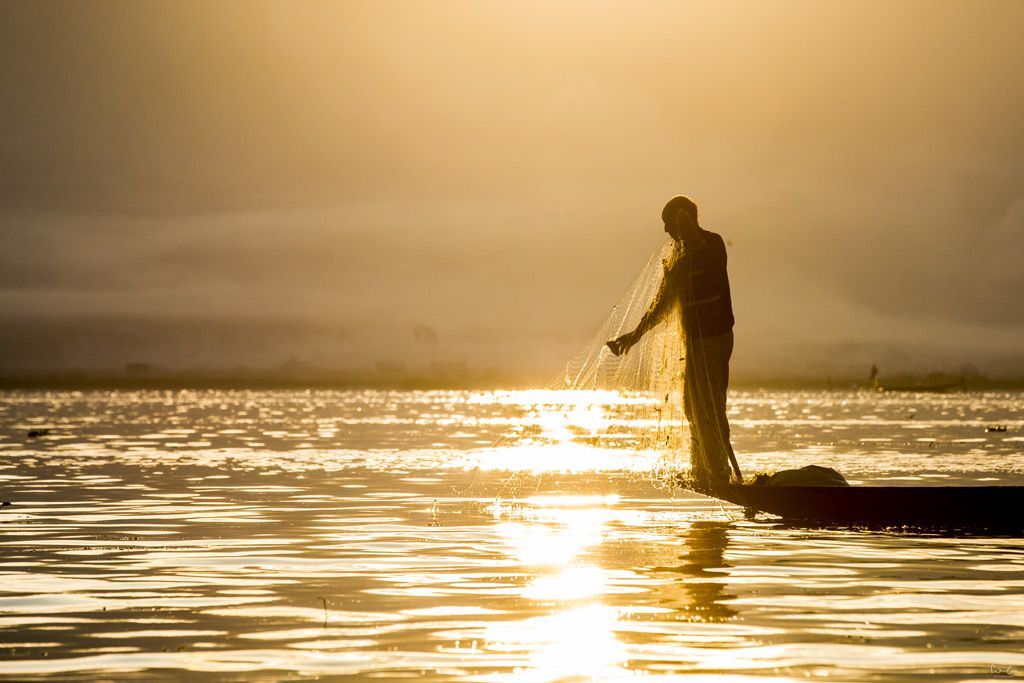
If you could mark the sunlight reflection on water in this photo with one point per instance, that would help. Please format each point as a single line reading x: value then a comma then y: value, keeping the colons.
x: 245, y: 534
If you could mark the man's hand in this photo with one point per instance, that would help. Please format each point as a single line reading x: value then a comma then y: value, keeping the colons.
x: 621, y: 344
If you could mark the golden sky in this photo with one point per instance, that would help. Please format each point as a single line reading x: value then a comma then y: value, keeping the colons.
x: 496, y: 170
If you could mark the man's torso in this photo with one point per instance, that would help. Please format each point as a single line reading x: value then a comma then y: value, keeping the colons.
x: 701, y: 281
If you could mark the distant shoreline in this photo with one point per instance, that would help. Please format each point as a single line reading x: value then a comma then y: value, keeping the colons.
x: 484, y: 380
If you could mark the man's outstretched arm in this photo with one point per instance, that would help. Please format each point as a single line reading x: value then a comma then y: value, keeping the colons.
x: 659, y: 308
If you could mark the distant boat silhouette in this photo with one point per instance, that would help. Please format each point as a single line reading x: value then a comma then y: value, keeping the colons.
x: 934, y: 387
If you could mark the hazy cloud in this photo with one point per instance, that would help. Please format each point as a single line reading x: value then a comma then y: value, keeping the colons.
x: 497, y: 169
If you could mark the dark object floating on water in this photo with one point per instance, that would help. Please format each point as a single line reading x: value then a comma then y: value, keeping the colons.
x: 987, y: 507
x: 5, y: 504
x: 996, y: 428
x: 810, y: 475
x: 36, y: 433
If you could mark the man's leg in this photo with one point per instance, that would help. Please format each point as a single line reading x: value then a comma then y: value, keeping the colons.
x: 689, y: 402
x: 709, y: 463
x: 720, y: 375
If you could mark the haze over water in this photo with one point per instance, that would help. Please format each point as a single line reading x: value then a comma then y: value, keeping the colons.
x: 282, y: 535
x: 206, y: 185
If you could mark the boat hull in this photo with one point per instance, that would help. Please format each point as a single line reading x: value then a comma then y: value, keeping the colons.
x: 973, y: 506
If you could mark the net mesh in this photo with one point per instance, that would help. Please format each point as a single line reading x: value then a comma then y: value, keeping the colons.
x: 630, y: 405
x: 663, y: 399
x: 649, y: 375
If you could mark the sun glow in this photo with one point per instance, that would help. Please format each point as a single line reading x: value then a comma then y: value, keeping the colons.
x: 555, y: 536
x: 577, y: 644
x: 570, y: 458
x: 567, y: 431
x: 578, y: 641
x: 570, y: 584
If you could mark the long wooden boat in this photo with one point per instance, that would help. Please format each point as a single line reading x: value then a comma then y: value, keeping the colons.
x: 925, y: 506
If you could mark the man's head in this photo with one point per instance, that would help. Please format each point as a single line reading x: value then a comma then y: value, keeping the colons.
x: 680, y: 217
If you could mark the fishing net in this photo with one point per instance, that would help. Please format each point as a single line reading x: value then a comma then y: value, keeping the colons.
x: 648, y: 377
x: 633, y: 403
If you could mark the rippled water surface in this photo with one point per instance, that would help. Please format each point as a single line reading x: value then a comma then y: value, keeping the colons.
x: 289, y: 535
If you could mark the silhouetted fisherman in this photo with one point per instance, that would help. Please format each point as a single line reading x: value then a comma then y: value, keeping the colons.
x: 696, y: 283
